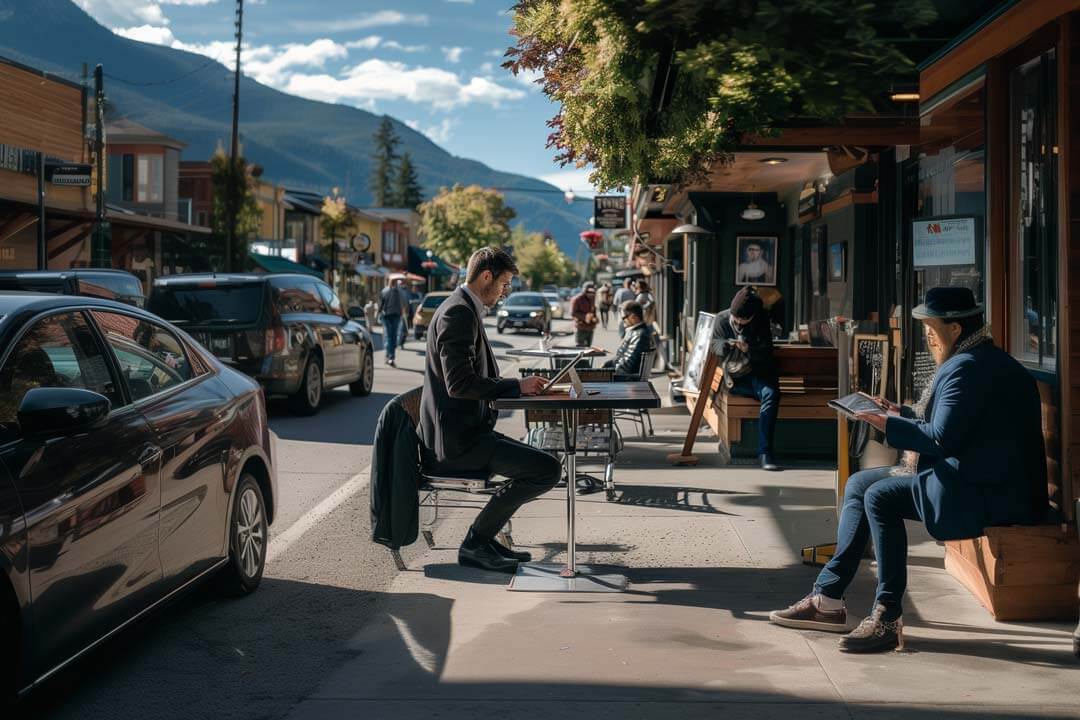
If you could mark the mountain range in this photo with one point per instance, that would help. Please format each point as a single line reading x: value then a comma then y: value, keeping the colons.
x: 301, y: 144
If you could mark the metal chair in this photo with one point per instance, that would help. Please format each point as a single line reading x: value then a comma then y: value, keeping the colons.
x: 432, y: 484
x: 597, y: 434
x: 640, y: 417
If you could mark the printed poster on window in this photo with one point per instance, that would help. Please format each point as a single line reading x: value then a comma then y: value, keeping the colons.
x: 943, y: 241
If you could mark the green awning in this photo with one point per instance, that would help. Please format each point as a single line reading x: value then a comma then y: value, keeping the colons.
x: 275, y: 264
x: 418, y: 255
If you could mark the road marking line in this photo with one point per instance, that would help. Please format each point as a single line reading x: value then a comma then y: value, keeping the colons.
x: 283, y: 541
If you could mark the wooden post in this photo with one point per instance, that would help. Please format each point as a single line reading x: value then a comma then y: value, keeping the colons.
x: 705, y: 388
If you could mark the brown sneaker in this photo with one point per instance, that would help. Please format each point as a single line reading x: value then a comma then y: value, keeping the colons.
x: 805, y: 615
x: 874, y: 634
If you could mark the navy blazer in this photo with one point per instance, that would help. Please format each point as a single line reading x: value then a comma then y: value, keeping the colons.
x: 982, y: 461
x: 461, y: 378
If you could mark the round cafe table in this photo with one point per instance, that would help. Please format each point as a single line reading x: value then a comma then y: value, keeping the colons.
x: 554, y: 354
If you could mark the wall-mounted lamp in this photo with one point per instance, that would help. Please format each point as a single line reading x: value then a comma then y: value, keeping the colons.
x: 773, y: 160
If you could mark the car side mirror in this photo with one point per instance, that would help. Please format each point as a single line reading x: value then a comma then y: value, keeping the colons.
x: 61, y: 411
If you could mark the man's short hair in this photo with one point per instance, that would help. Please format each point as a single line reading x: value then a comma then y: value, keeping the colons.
x: 494, y: 259
x: 628, y: 281
x: 633, y: 307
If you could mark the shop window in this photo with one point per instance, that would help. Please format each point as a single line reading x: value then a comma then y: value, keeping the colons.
x: 127, y: 178
x: 150, y: 178
x: 1033, y: 121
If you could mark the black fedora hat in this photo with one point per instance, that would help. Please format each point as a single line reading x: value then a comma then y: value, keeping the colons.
x: 948, y: 303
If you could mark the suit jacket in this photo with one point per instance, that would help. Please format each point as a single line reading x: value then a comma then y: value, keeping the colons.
x: 982, y: 461
x: 461, y: 378
x: 638, y: 341
x: 395, y: 477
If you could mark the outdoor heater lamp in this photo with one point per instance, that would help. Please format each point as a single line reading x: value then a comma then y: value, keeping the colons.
x: 690, y: 229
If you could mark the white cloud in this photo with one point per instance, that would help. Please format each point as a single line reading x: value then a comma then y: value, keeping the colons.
x: 441, y: 133
x: 378, y: 80
x: 381, y: 18
x: 369, y: 43
x: 121, y: 12
x: 148, y: 34
x: 414, y: 124
x: 395, y: 45
x: 529, y: 78
x: 453, y: 54
x: 488, y: 69
x: 496, y: 53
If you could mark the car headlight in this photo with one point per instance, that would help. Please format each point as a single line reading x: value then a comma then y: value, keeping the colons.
x: 535, y: 314
x: 503, y: 313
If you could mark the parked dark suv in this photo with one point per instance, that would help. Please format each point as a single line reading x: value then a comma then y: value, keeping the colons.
x: 118, y: 285
x: 287, y: 331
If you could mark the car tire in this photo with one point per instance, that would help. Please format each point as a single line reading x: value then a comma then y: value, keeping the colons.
x: 248, y: 540
x: 500, y: 328
x: 362, y: 387
x: 306, y: 400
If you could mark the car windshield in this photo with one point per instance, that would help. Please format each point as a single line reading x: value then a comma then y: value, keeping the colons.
x: 526, y: 300
x: 434, y: 301
x: 552, y: 297
x: 218, y: 305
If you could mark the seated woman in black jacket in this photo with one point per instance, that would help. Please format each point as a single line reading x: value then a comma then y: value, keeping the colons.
x: 638, y: 341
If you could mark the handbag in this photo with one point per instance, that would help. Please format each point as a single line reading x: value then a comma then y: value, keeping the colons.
x: 735, y: 365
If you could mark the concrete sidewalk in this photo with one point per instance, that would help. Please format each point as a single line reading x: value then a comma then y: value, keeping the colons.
x: 709, y: 551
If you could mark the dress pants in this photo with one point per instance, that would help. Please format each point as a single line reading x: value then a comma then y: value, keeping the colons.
x: 391, y: 332
x: 583, y: 338
x: 767, y: 392
x: 531, y: 473
x: 876, y: 503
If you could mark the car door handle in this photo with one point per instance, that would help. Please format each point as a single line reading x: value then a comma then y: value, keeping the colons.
x: 148, y: 455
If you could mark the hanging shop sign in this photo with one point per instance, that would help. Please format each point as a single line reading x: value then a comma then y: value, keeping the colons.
x: 18, y: 159
x: 68, y: 174
x: 943, y: 241
x: 610, y: 212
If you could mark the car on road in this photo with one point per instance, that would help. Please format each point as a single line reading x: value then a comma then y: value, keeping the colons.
x: 426, y: 311
x: 556, y: 305
x: 133, y: 464
x: 525, y: 310
x: 118, y: 285
x: 286, y: 330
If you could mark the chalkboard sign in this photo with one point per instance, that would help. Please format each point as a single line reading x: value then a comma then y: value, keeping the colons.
x: 922, y: 372
x: 870, y: 364
x: 696, y: 362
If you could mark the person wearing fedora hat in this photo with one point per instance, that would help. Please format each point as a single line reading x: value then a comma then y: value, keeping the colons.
x: 975, y: 458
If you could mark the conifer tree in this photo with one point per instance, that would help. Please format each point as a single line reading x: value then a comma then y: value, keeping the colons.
x: 407, y: 191
x: 382, y: 163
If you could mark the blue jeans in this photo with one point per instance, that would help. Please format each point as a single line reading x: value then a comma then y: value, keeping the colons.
x: 391, y: 331
x: 875, y: 505
x: 768, y: 394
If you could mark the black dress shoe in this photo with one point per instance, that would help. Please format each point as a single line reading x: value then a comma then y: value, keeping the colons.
x: 767, y: 463
x: 519, y: 556
x: 486, y: 557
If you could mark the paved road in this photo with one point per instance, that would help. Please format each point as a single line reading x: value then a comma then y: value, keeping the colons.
x: 206, y: 657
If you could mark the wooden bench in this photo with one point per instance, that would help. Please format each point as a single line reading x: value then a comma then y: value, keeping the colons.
x: 807, y: 384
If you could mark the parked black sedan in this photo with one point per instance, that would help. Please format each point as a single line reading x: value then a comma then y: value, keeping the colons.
x: 132, y: 464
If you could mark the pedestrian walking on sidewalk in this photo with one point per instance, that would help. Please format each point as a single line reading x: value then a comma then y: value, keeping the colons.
x: 603, y: 300
x: 392, y: 307
x: 583, y: 310
x: 622, y: 296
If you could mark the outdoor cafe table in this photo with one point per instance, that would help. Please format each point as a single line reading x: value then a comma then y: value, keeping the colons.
x: 548, y: 577
x: 557, y: 353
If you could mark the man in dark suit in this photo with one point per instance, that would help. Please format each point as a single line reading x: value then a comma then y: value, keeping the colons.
x: 638, y: 341
x: 980, y: 462
x: 457, y: 422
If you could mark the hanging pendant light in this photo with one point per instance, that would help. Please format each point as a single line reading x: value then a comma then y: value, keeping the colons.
x: 752, y: 211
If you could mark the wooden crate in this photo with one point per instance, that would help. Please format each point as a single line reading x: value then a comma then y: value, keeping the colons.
x: 1020, y: 572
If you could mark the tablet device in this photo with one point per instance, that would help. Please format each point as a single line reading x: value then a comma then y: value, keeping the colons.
x: 855, y: 403
x: 562, y: 373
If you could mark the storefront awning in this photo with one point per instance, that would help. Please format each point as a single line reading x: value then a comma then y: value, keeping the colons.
x: 274, y: 264
x: 417, y: 256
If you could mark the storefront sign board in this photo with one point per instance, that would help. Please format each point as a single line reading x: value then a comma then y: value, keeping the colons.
x: 943, y: 241
x: 609, y: 212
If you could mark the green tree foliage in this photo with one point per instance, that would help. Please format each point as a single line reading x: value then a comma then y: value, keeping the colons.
x: 740, y: 68
x: 381, y: 182
x: 407, y: 191
x: 241, y: 176
x: 539, y: 259
x: 461, y: 220
x: 338, y: 220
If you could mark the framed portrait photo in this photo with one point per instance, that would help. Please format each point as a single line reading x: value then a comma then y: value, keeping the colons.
x: 755, y: 259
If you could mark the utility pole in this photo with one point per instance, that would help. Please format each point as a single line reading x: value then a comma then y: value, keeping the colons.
x: 42, y: 247
x: 234, y: 154
x: 100, y: 252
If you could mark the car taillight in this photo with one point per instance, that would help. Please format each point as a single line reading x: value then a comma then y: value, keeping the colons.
x: 275, y: 340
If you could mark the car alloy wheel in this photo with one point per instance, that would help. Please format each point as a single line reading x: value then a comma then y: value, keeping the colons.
x: 364, y: 385
x: 313, y: 383
x: 248, y: 539
x: 306, y: 400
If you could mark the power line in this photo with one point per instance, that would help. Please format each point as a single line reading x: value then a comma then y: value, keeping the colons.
x: 205, y: 65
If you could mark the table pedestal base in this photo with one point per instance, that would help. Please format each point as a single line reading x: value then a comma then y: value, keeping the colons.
x: 546, y: 577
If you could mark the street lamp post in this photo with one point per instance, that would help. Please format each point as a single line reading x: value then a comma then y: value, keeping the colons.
x: 430, y: 266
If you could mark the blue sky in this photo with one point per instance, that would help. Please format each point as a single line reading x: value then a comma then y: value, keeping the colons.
x: 433, y: 64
